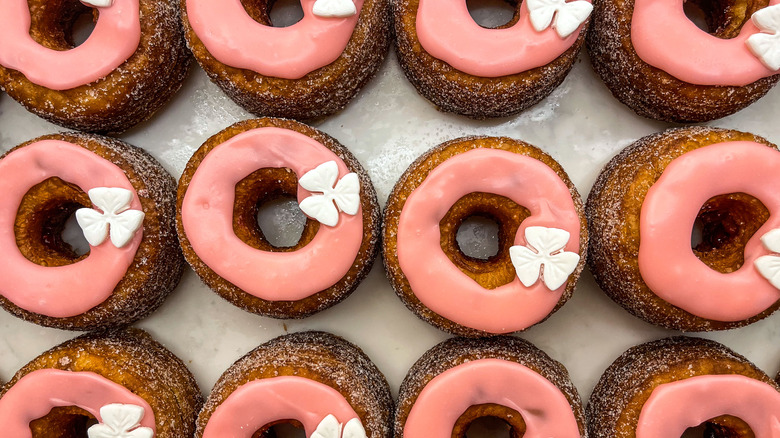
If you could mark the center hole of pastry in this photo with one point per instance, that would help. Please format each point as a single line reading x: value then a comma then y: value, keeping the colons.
x: 491, y: 13
x: 722, y: 18
x: 61, y: 25
x: 63, y: 422
x: 281, y: 222
x: 721, y: 427
x: 83, y: 26
x: 477, y: 237
x: 281, y: 429
x: 489, y: 427
x: 73, y: 236
x: 285, y: 13
x: 723, y: 227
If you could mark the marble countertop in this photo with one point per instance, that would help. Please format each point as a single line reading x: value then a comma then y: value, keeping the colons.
x: 387, y: 126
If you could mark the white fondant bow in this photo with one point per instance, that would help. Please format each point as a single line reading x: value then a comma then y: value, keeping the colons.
x: 330, y: 427
x: 769, y: 265
x: 565, y: 17
x: 116, y: 218
x: 120, y: 421
x: 766, y: 45
x: 344, y: 196
x: 334, y: 8
x: 98, y: 3
x: 545, y: 249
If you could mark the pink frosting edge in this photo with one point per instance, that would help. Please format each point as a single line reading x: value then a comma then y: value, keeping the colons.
x: 73, y: 289
x: 37, y: 392
x: 702, y: 59
x: 235, y: 39
x: 511, y: 307
x: 208, y: 206
x: 444, y: 399
x: 114, y: 40
x: 486, y: 52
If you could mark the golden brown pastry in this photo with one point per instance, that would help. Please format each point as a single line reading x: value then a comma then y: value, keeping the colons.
x: 262, y: 160
x: 663, y: 388
x: 478, y: 72
x: 111, y: 383
x: 655, y: 60
x: 124, y: 202
x: 461, y: 381
x: 313, y: 381
x: 540, y: 220
x: 310, y: 69
x: 649, y: 200
x: 132, y: 63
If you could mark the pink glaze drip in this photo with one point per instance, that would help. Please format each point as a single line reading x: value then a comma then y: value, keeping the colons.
x: 60, y: 291
x: 207, y: 216
x: 237, y: 40
x: 35, y: 394
x: 674, y: 407
x: 444, y: 288
x: 115, y: 38
x: 260, y: 402
x: 666, y: 39
x: 667, y: 262
x: 447, y: 32
x: 545, y: 410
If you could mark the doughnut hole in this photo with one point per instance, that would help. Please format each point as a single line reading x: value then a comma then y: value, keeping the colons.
x: 256, y: 190
x: 276, y: 13
x: 493, y: 14
x: 726, y: 223
x: 63, y: 422
x: 489, y: 420
x: 41, y: 219
x: 720, y: 427
x: 52, y: 23
x: 723, y: 18
x: 281, y: 429
x: 496, y: 270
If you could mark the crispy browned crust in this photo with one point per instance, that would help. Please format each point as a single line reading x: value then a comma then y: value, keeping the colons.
x: 134, y: 360
x: 319, y: 93
x: 613, y: 210
x: 266, y: 184
x: 652, y: 92
x: 452, y: 90
x: 158, y: 263
x: 614, y: 406
x: 457, y: 351
x: 318, y: 356
x: 491, y: 273
x: 124, y: 98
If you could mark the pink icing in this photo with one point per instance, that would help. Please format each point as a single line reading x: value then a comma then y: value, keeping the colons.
x: 674, y: 407
x: 675, y: 45
x: 60, y: 291
x: 485, y: 52
x: 235, y: 39
x: 260, y: 402
x: 35, y: 394
x: 667, y: 262
x: 207, y: 216
x: 526, y: 181
x: 115, y: 38
x: 545, y: 410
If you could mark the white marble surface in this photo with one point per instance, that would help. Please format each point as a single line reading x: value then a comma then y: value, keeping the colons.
x: 386, y: 127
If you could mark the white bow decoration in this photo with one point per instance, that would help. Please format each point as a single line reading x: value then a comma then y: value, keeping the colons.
x: 564, y: 17
x: 116, y: 219
x: 120, y: 421
x: 98, y: 3
x: 330, y: 427
x: 545, y: 249
x: 766, y: 45
x: 334, y: 8
x: 344, y: 196
x: 769, y: 265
